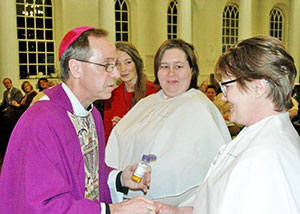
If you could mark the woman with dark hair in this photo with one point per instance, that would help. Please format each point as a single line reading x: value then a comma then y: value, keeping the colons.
x: 134, y: 86
x: 178, y: 124
x: 42, y: 84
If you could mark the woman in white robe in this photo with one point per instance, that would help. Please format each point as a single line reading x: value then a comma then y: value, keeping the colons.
x: 179, y: 125
x: 258, y: 172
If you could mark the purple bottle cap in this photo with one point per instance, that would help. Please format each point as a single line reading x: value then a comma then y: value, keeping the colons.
x: 148, y: 158
x: 152, y: 157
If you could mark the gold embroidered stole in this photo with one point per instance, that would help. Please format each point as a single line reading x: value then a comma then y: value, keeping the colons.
x: 87, y: 134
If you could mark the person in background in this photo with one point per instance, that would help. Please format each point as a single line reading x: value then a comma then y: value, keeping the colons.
x: 133, y: 88
x: 7, y: 112
x: 10, y: 94
x: 258, y: 172
x: 296, y: 92
x: 51, y: 83
x: 214, y: 82
x: 294, y: 110
x: 211, y: 92
x: 224, y: 108
x: 42, y: 84
x: 55, y: 158
x: 30, y: 93
x: 178, y: 124
x: 203, y: 86
x: 296, y: 96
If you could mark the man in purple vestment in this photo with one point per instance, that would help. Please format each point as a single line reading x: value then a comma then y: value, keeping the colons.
x: 55, y: 158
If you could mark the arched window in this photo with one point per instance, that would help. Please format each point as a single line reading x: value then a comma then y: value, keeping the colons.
x: 122, y: 20
x: 172, y: 19
x: 276, y: 23
x: 35, y: 37
x: 230, y: 26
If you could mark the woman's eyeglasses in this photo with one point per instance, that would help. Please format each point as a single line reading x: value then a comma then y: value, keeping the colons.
x: 224, y: 87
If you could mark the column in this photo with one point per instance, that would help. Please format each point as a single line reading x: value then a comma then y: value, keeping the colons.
x: 294, y: 34
x: 185, y: 20
x: 107, y: 17
x: 9, y: 47
x: 245, y: 21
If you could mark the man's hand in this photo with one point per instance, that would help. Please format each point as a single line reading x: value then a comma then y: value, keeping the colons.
x: 127, y: 182
x: 138, y: 205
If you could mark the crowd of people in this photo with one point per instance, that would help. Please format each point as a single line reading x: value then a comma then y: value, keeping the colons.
x: 14, y: 104
x: 7, y: 112
x: 69, y: 159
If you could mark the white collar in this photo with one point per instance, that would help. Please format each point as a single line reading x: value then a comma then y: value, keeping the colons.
x: 78, y: 109
x: 165, y: 97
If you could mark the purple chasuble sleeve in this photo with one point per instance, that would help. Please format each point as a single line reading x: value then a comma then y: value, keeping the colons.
x: 43, y: 170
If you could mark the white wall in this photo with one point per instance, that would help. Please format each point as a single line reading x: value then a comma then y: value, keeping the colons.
x: 8, y: 43
x: 200, y: 22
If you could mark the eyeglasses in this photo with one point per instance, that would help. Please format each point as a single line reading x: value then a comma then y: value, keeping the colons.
x: 108, y: 67
x: 224, y: 87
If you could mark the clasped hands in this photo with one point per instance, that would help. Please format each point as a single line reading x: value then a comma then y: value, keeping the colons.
x: 140, y: 204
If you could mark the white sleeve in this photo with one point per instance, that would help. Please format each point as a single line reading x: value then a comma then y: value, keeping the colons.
x: 103, y: 208
x: 116, y: 196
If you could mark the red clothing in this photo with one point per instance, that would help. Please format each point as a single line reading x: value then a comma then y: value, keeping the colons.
x: 119, y: 104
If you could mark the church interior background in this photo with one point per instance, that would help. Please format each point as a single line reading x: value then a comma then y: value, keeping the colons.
x: 31, y: 30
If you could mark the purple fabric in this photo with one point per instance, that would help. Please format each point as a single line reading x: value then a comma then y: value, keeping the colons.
x: 43, y: 170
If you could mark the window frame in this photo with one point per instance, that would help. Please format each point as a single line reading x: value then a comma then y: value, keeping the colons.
x: 230, y: 26
x: 35, y: 37
x: 172, y: 19
x: 279, y: 23
x: 122, y: 20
